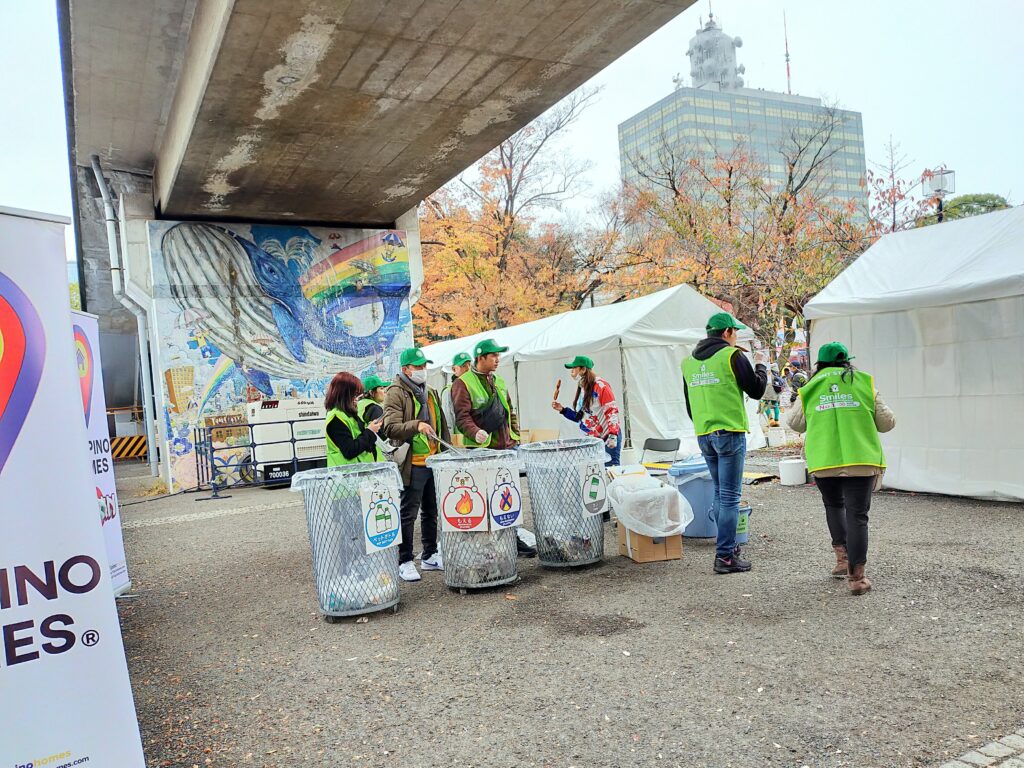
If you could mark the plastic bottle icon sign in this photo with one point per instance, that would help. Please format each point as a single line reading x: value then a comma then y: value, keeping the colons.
x: 594, y: 487
x: 381, y: 517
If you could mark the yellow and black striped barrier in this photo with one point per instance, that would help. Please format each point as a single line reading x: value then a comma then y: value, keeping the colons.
x: 130, y: 447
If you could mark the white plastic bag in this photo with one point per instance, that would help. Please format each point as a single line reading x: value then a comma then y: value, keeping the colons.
x: 645, y: 506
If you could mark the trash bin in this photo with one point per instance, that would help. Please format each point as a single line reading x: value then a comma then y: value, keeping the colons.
x: 479, y: 506
x: 568, y: 492
x: 354, y: 523
x: 691, y: 478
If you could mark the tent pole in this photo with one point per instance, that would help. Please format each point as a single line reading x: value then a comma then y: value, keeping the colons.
x: 627, y: 441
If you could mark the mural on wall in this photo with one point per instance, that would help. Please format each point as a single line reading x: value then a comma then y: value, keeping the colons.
x: 245, y: 311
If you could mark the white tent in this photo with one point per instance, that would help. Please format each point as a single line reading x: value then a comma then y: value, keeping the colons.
x: 639, y: 342
x: 936, y: 314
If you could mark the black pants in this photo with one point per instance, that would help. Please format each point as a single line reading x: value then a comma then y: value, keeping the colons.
x: 419, y: 493
x: 847, y: 502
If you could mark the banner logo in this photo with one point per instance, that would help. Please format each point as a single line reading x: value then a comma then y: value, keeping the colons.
x: 22, y: 351
x: 86, y: 369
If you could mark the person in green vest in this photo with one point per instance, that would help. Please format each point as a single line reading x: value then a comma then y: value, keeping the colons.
x: 350, y: 439
x: 370, y: 408
x: 484, y: 415
x: 842, y: 414
x: 483, y: 410
x: 715, y: 378
x: 413, y: 418
x: 460, y: 364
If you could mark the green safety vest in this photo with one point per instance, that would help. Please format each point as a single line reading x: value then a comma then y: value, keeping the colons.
x: 840, y: 416
x: 335, y: 458
x: 478, y: 397
x: 420, y: 443
x: 716, y: 400
x: 362, y: 405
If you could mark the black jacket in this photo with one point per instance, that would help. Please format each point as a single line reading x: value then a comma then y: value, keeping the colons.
x: 751, y: 380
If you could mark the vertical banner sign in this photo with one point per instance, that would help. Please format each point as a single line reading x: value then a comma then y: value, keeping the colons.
x: 382, y: 523
x: 594, y: 484
x: 463, y: 506
x: 86, y: 332
x: 65, y: 697
x: 505, y: 499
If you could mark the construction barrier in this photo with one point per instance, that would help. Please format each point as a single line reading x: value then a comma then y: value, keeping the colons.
x: 130, y: 447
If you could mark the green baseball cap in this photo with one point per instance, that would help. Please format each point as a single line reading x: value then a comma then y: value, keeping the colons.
x: 413, y: 356
x: 371, y: 383
x: 487, y: 347
x: 461, y: 359
x: 721, y: 321
x: 580, y: 361
x: 834, y: 352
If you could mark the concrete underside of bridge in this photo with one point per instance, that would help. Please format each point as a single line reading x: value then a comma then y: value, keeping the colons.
x: 325, y: 111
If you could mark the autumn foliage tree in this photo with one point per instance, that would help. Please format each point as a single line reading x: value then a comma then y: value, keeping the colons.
x: 491, y: 257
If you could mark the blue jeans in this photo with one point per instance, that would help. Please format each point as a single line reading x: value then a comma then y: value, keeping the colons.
x: 615, y: 453
x: 724, y: 453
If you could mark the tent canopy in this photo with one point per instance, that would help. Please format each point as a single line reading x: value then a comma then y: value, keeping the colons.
x: 955, y: 262
x: 636, y: 346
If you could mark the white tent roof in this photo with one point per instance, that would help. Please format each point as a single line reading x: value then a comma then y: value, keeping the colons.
x: 973, y: 259
x: 672, y: 316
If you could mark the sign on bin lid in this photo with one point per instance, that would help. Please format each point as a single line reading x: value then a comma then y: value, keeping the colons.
x: 688, y: 466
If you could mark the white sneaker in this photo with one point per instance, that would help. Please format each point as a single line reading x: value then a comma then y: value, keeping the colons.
x: 432, y: 563
x: 407, y: 572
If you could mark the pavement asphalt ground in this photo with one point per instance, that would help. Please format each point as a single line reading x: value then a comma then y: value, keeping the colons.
x: 615, y: 665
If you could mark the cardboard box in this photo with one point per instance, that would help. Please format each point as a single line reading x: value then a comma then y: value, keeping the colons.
x: 644, y: 549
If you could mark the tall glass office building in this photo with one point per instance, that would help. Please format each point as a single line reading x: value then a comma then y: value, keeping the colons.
x: 717, y: 113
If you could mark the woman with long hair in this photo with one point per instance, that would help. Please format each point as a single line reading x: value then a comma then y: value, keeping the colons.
x: 594, y: 407
x: 842, y: 414
x: 349, y: 439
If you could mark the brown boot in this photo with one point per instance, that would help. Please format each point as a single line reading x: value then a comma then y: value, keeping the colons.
x: 842, y: 568
x: 857, y: 581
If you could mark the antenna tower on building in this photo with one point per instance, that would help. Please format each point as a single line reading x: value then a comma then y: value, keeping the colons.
x: 785, y: 36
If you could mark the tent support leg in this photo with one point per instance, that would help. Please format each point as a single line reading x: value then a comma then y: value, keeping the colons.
x: 627, y: 440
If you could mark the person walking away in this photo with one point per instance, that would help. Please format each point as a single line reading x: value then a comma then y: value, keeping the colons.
x: 370, y: 408
x: 350, y: 439
x: 412, y: 415
x: 796, y: 380
x: 770, y: 399
x: 483, y: 411
x: 842, y: 413
x: 594, y: 407
x: 715, y: 378
x: 460, y: 364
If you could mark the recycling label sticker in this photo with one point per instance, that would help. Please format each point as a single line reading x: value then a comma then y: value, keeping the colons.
x: 382, y: 520
x: 463, y: 506
x: 505, y: 497
x: 594, y: 486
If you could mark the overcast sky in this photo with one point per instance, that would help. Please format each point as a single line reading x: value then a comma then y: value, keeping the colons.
x: 941, y: 76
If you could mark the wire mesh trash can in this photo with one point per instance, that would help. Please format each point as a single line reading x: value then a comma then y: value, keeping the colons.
x: 478, y: 545
x: 568, y: 492
x: 353, y: 516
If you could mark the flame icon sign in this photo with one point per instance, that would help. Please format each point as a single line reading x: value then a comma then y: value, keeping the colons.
x: 464, y: 505
x: 22, y: 351
x: 505, y: 504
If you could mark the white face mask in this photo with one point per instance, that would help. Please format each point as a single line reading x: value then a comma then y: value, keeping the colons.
x: 419, y: 377
x: 575, y: 373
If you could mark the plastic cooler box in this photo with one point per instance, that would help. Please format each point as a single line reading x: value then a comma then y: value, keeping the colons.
x: 692, y: 479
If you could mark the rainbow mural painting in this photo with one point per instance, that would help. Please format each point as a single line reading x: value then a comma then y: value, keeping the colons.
x: 247, y: 311
x: 22, y: 353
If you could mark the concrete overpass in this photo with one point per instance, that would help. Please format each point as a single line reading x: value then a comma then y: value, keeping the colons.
x: 343, y: 113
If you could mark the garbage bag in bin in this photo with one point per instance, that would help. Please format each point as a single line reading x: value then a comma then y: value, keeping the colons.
x: 354, y: 524
x: 568, y: 493
x: 479, y: 506
x: 646, y: 506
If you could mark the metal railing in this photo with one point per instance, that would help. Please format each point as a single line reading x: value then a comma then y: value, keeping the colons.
x: 224, y: 463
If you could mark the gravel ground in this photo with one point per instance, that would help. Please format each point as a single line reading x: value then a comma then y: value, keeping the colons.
x: 619, y: 664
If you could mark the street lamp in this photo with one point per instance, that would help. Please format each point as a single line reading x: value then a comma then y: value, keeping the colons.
x: 937, y: 184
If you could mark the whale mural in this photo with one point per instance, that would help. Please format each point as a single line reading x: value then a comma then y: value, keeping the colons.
x: 247, y: 311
